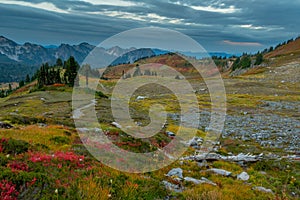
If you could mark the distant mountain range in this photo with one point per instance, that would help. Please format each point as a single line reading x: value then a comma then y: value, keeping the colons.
x: 35, y: 55
x: 28, y: 57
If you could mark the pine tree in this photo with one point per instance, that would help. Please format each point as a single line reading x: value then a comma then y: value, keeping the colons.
x: 259, y: 59
x: 59, y: 62
x: 27, y: 80
x: 21, y: 83
x: 41, y: 76
x: 71, y: 71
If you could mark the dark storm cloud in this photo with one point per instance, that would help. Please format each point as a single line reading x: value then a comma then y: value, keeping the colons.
x: 217, y: 24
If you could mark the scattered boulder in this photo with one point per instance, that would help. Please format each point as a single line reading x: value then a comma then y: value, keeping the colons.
x: 202, y: 164
x: 219, y: 171
x: 195, y: 142
x: 262, y: 189
x: 177, y: 172
x: 215, y: 156
x: 42, y: 125
x: 140, y: 98
x: 5, y: 125
x: 116, y: 125
x: 170, y: 134
x: 244, y: 176
x: 201, y: 181
x: 172, y: 187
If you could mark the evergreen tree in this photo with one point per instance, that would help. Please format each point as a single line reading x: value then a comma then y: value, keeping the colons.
x: 41, y: 76
x: 27, y: 80
x: 57, y: 76
x: 235, y: 64
x: 9, y: 87
x: 71, y: 71
x: 59, y: 62
x: 245, y: 62
x: 21, y: 83
x: 259, y: 59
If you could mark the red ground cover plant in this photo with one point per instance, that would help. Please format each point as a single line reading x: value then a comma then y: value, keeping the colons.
x: 8, y: 191
x: 58, y: 159
x: 18, y: 166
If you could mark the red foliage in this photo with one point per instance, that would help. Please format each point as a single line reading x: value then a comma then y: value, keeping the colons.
x: 62, y: 157
x: 18, y: 166
x: 8, y: 191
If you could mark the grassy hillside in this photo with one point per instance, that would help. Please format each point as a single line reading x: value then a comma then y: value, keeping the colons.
x: 42, y: 156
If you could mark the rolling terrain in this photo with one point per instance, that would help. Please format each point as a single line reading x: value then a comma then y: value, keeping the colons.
x: 257, y: 156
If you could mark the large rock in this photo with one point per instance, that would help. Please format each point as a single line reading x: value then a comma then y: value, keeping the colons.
x: 219, y: 171
x: 177, y: 172
x: 262, y: 189
x: 215, y: 156
x: 244, y: 176
x: 201, y: 181
x: 5, y: 125
x: 172, y: 187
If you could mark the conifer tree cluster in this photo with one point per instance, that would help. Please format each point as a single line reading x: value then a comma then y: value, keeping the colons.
x: 49, y: 75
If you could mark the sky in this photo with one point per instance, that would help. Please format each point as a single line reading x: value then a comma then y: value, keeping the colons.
x: 232, y: 26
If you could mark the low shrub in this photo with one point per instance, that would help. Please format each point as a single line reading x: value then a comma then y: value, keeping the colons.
x: 12, y: 146
x: 24, y: 120
x: 61, y: 140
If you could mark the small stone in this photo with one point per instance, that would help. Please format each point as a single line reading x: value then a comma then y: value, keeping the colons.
x: 170, y: 134
x: 140, y: 98
x: 244, y: 176
x: 116, y: 125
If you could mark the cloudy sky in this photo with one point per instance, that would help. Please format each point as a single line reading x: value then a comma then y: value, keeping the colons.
x: 218, y: 25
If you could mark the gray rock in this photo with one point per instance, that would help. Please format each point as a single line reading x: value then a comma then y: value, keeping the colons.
x: 202, y: 164
x: 170, y: 134
x: 193, y: 180
x: 172, y: 187
x: 116, y: 125
x: 208, y: 181
x: 140, y: 98
x: 5, y: 125
x: 201, y: 181
x: 195, y: 142
x: 215, y: 156
x: 219, y: 171
x: 244, y: 176
x: 42, y: 125
x: 262, y: 189
x: 175, y: 172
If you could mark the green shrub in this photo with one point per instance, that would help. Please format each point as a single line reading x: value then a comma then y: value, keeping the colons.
x: 61, y: 140
x: 3, y: 160
x: 24, y: 120
x: 12, y: 146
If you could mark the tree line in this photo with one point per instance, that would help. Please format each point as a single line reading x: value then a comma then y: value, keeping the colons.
x: 64, y: 73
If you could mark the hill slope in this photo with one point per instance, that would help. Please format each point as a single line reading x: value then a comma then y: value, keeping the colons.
x: 290, y: 48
